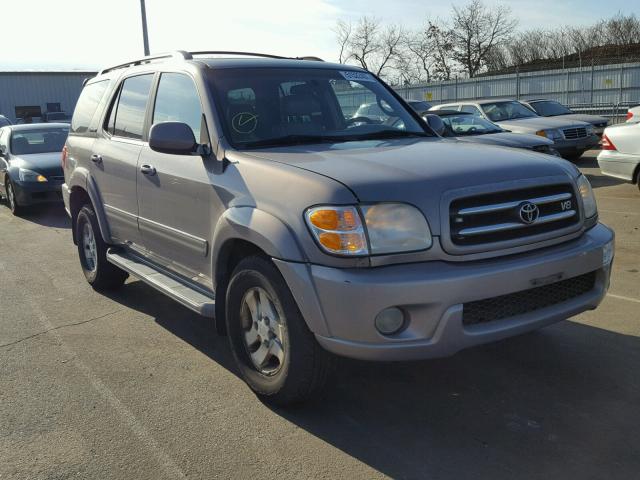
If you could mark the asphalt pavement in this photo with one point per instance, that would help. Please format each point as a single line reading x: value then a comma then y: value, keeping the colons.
x: 130, y: 385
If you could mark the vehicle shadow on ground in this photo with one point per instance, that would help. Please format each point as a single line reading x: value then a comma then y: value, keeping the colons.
x: 521, y: 408
x: 52, y: 215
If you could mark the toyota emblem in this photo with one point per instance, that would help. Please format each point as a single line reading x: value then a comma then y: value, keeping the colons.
x: 529, y: 213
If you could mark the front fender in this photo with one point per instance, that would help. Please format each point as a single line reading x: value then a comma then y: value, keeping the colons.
x: 260, y: 228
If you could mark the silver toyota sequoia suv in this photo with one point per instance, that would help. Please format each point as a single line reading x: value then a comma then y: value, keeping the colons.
x: 243, y: 187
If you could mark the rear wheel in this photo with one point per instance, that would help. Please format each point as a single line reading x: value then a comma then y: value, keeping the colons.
x: 92, y: 251
x: 275, y: 351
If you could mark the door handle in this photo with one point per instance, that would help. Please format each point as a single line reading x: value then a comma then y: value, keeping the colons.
x: 148, y: 170
x: 97, y: 159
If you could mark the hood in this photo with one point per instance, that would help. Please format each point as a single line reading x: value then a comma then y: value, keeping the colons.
x: 415, y: 171
x: 582, y: 117
x: 533, y: 124
x: 506, y: 139
x: 47, y: 164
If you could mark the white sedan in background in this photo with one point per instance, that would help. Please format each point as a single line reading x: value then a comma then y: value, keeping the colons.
x: 620, y: 155
x: 633, y: 115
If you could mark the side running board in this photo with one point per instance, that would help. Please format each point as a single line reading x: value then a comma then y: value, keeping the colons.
x: 165, y: 282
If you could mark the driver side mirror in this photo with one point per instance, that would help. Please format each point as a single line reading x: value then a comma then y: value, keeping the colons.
x: 175, y: 138
x: 435, y: 122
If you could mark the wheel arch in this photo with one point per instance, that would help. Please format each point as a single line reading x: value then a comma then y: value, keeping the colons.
x: 83, y: 190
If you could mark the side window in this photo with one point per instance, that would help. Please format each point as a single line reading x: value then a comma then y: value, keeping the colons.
x: 87, y: 104
x: 177, y: 100
x: 470, y: 109
x: 126, y: 118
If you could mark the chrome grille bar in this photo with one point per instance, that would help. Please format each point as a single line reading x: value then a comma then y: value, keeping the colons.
x: 500, y: 227
x: 509, y: 205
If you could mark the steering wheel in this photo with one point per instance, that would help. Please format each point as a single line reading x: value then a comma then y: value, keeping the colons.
x: 472, y: 129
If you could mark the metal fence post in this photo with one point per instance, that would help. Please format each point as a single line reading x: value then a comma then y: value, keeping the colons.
x: 591, y: 96
x: 456, y: 88
x: 518, y: 83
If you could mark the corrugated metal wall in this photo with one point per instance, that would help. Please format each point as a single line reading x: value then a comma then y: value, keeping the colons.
x: 39, y: 88
x: 597, y: 85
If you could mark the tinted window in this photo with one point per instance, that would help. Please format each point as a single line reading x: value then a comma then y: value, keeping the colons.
x: 500, y: 111
x: 470, y: 109
x: 42, y: 140
x: 128, y: 113
x: 87, y: 104
x: 550, y: 109
x: 177, y: 100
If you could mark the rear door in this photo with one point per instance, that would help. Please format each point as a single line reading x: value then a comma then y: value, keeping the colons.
x: 115, y: 155
x: 175, y: 195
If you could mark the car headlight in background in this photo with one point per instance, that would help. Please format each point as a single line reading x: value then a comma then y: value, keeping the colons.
x: 551, y: 134
x: 590, y: 130
x: 588, y: 198
x: 30, y: 176
x: 391, y: 228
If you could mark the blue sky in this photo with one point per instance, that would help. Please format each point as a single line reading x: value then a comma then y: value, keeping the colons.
x: 93, y: 33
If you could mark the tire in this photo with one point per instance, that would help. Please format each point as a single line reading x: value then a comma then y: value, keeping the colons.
x: 296, y: 367
x: 12, y: 201
x: 92, y: 251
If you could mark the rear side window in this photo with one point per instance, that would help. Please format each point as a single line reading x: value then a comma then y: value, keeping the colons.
x: 126, y: 118
x: 87, y: 104
x: 177, y: 100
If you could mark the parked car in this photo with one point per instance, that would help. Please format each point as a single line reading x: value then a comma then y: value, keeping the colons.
x: 369, y: 113
x: 420, y: 106
x: 633, y: 114
x: 56, y: 117
x: 551, y: 108
x: 571, y: 137
x: 237, y: 187
x: 4, y: 121
x: 30, y: 171
x: 467, y: 127
x: 620, y: 155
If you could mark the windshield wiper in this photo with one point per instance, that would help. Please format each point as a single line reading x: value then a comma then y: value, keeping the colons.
x: 294, y: 140
x: 381, y: 134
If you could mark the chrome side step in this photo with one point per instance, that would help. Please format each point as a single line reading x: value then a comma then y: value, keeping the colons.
x: 165, y: 282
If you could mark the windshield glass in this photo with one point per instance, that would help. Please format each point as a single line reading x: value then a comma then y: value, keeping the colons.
x: 499, y: 111
x: 550, y: 109
x: 288, y: 106
x: 467, y: 124
x: 57, y: 116
x: 42, y: 140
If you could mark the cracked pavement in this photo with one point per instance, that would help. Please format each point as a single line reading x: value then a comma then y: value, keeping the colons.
x: 132, y: 385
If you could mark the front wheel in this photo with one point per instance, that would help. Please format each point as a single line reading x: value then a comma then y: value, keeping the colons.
x: 275, y: 351
x: 12, y: 200
x: 92, y: 251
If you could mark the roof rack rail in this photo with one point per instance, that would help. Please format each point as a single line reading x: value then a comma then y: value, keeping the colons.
x: 248, y: 54
x: 178, y: 55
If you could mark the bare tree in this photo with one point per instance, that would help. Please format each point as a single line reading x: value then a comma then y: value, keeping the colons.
x: 476, y: 30
x: 343, y: 35
x: 442, y: 41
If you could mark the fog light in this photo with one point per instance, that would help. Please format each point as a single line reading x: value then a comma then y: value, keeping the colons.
x: 390, y: 321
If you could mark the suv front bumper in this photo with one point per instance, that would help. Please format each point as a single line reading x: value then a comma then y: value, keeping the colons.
x: 340, y: 305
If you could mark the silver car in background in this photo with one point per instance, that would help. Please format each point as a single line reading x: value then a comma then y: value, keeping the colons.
x: 620, y: 155
x: 551, y: 108
x: 571, y: 137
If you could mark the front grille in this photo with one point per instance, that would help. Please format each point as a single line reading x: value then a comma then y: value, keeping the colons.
x: 575, y: 133
x: 499, y: 216
x: 519, y: 303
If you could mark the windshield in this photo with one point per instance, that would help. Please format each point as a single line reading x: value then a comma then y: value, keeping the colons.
x: 287, y: 106
x: 42, y: 140
x: 500, y: 111
x: 467, y: 124
x: 550, y: 109
x: 57, y: 116
x: 420, y: 106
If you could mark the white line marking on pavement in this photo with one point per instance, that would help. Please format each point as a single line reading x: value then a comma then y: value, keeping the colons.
x: 621, y: 297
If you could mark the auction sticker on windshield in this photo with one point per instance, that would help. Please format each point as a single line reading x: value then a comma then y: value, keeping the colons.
x: 358, y: 76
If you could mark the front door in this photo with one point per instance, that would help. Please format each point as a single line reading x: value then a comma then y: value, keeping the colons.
x: 175, y: 196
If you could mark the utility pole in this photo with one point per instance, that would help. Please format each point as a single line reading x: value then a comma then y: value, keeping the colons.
x: 145, y: 35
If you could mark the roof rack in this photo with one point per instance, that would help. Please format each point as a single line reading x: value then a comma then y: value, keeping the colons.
x: 182, y: 55
x: 177, y: 55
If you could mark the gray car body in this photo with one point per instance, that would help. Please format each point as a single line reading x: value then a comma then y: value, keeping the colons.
x: 195, y: 211
x: 532, y: 125
x: 597, y: 121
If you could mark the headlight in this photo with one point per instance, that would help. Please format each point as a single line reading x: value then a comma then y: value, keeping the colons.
x: 396, y: 227
x: 30, y: 176
x: 590, y: 130
x: 588, y: 198
x: 551, y: 134
x: 391, y: 228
